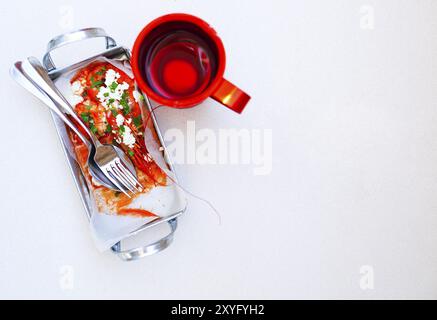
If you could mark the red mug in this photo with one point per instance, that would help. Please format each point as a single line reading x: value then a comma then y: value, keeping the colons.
x: 178, y: 60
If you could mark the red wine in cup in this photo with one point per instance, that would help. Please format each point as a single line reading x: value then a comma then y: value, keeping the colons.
x: 179, y: 65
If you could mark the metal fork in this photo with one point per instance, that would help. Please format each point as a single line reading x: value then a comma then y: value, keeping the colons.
x: 112, y: 162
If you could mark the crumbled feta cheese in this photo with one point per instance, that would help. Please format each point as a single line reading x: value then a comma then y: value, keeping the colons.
x: 76, y: 87
x: 76, y: 96
x: 117, y: 105
x: 119, y: 119
x: 128, y: 137
x: 108, y: 95
x: 111, y: 76
x: 121, y: 88
x: 137, y: 96
x: 103, y: 96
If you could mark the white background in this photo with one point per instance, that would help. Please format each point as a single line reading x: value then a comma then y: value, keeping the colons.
x: 354, y: 178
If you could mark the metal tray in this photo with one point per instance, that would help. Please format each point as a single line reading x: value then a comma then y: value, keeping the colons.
x: 120, y: 53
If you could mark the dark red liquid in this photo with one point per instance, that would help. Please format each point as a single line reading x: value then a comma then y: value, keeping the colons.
x: 179, y: 65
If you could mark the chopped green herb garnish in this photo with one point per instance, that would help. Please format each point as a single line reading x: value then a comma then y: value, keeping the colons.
x: 85, y: 116
x: 138, y: 121
x: 131, y: 153
x: 111, y: 101
x: 108, y: 128
x: 125, y: 104
x: 122, y: 129
x: 101, y: 71
x: 126, y: 109
x: 84, y: 94
x: 113, y: 86
x: 114, y: 112
x: 124, y: 98
x: 88, y: 107
x: 106, y: 94
x: 96, y: 84
x: 93, y: 128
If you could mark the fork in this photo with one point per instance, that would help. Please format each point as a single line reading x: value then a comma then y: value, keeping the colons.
x: 110, y: 162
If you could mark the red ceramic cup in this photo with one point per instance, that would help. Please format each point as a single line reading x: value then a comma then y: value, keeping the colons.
x: 178, y: 60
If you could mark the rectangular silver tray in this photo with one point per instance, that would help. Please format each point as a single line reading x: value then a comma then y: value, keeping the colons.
x: 112, y: 52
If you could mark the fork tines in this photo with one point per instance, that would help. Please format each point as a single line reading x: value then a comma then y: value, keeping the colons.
x: 122, y: 178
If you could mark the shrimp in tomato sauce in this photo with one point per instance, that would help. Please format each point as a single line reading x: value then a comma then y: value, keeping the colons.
x: 109, y: 105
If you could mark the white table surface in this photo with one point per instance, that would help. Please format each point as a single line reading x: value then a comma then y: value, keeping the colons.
x: 353, y: 113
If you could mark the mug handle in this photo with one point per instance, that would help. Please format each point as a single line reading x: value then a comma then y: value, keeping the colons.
x: 231, y: 96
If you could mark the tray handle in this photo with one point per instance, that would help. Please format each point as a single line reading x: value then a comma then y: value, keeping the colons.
x: 74, y: 36
x: 140, y: 252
